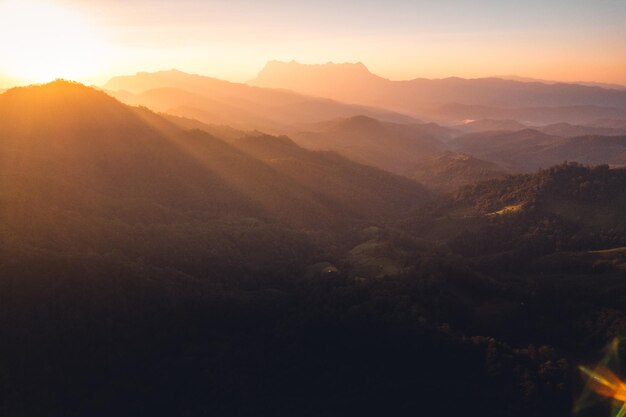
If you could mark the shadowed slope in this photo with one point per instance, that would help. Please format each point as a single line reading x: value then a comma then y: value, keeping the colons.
x: 86, y: 142
x: 66, y: 145
x: 351, y: 188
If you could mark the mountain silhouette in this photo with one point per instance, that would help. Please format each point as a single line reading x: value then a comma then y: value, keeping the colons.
x: 220, y: 102
x: 353, y: 83
x: 539, y: 80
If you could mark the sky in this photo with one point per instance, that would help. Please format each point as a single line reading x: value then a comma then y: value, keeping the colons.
x: 91, y: 40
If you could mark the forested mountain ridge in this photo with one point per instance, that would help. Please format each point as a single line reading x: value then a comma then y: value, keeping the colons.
x: 67, y: 132
x: 84, y: 174
x: 565, y: 208
x: 149, y: 269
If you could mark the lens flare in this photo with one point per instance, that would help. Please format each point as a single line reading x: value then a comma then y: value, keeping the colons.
x: 603, y: 382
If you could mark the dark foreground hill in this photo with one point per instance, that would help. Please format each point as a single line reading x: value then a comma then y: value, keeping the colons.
x: 149, y: 270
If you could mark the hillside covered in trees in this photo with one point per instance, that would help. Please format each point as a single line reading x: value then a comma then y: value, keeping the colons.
x: 149, y: 269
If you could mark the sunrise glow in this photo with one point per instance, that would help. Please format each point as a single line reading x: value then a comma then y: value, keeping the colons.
x: 42, y: 41
x: 356, y: 208
x: 94, y: 40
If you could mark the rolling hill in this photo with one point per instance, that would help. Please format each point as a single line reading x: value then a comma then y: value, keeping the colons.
x: 417, y: 151
x: 530, y: 149
x: 513, y: 148
x: 588, y: 150
x: 394, y: 147
x: 214, y: 101
x: 579, y: 206
x: 448, y: 171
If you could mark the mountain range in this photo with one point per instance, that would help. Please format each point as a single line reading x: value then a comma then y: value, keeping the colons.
x: 85, y: 148
x: 381, y: 138
x: 214, y: 101
x: 539, y: 80
x: 449, y: 98
x: 160, y: 264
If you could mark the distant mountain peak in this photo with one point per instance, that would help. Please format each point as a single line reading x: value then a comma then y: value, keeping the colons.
x: 294, y: 71
x: 354, y: 83
x: 346, y: 82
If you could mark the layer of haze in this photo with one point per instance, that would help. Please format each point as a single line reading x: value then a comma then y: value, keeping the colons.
x: 566, y: 40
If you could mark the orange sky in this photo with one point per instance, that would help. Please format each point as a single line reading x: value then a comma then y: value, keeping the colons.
x: 568, y: 40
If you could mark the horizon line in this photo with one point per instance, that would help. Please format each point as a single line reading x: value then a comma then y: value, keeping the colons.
x: 7, y: 81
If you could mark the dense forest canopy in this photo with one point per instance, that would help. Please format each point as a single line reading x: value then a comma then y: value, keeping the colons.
x: 148, y: 269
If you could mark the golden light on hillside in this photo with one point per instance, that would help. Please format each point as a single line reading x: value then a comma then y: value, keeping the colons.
x: 41, y: 41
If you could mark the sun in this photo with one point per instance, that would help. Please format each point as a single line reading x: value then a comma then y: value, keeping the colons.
x: 41, y: 41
